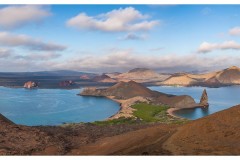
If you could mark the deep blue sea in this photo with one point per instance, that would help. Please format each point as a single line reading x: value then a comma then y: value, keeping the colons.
x: 219, y: 99
x: 53, y: 106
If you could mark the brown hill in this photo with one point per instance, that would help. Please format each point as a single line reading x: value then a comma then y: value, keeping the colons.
x: 121, y: 90
x: 183, y: 80
x: 104, y: 78
x: 21, y: 140
x: 141, y: 75
x: 218, y: 133
x: 229, y: 76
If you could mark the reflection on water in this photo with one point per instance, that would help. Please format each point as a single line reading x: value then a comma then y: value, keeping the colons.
x: 53, y: 106
x: 219, y: 99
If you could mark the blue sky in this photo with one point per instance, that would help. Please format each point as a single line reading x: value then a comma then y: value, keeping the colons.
x: 107, y: 38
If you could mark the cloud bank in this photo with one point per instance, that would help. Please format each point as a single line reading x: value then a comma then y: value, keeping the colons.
x: 4, y: 53
x: 235, y: 31
x: 124, y: 60
x: 118, y: 20
x: 206, y: 47
x: 12, y: 17
x: 38, y: 56
x: 14, y: 40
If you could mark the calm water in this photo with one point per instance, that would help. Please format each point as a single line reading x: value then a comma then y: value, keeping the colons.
x: 53, y: 106
x: 219, y: 99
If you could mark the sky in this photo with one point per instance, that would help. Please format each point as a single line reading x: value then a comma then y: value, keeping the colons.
x: 117, y: 38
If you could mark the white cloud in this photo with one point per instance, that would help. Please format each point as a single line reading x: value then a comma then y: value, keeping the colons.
x: 206, y: 47
x: 120, y: 60
x: 14, y: 40
x: 4, y: 53
x: 235, y: 31
x: 16, y: 16
x: 127, y: 19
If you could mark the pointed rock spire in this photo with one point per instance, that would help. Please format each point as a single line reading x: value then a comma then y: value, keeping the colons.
x: 204, y: 99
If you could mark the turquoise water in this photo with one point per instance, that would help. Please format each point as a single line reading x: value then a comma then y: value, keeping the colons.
x: 219, y: 99
x: 53, y: 106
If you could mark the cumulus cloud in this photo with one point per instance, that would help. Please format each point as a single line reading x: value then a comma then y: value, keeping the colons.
x: 4, y: 53
x: 14, y: 40
x: 235, y: 31
x: 123, y: 19
x: 15, y: 16
x: 206, y: 47
x: 133, y: 36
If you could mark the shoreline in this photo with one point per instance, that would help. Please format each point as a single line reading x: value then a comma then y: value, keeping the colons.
x: 171, y: 111
x: 125, y: 109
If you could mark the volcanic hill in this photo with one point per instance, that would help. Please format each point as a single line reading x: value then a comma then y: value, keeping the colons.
x: 229, y: 76
x: 127, y: 90
x: 140, y: 75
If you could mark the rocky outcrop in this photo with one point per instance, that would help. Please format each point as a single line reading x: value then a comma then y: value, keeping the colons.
x: 204, y: 99
x: 66, y: 83
x: 182, y: 101
x: 30, y: 84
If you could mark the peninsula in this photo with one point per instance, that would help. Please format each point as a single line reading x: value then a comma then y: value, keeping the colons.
x: 129, y: 93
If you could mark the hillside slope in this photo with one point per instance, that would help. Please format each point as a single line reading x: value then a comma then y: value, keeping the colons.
x: 215, y: 134
x: 140, y: 75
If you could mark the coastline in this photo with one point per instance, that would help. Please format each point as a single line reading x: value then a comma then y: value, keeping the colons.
x: 171, y: 111
x: 125, y: 109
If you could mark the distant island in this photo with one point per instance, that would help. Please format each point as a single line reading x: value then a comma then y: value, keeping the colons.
x: 148, y: 77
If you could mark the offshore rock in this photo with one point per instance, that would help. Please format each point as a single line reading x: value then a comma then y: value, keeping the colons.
x: 30, y: 84
x: 204, y: 99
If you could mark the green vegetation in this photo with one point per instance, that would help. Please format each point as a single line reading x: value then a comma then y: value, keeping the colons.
x: 121, y: 120
x: 145, y: 113
x: 150, y: 113
x: 155, y: 113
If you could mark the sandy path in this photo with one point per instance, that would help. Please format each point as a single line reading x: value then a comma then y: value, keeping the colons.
x: 125, y: 106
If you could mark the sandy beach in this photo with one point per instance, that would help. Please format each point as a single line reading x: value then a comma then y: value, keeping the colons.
x: 125, y: 106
